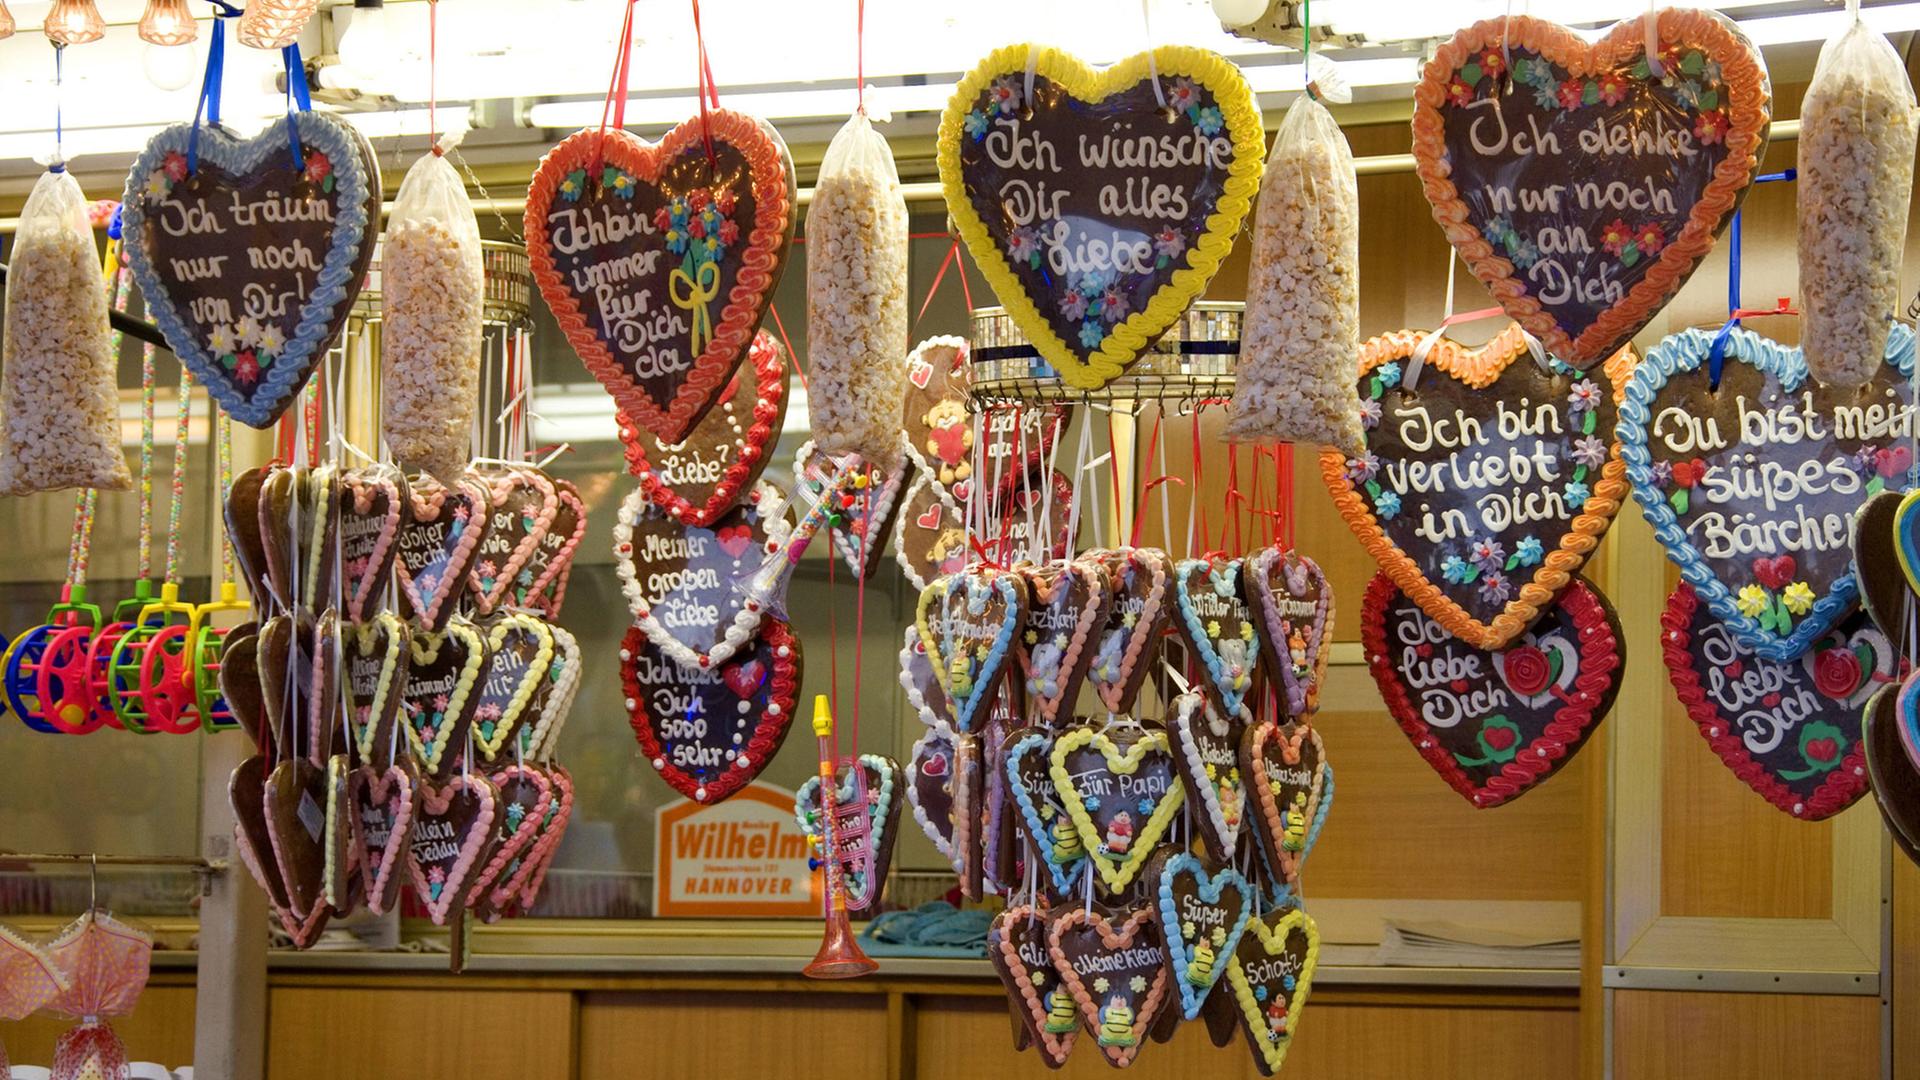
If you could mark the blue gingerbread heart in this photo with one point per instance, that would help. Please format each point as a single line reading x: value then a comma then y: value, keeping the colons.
x: 1752, y: 485
x: 1202, y: 915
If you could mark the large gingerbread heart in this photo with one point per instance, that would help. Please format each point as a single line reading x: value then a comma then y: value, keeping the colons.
x: 1752, y: 487
x: 1292, y: 604
x: 659, y: 259
x: 1121, y: 791
x: 1484, y: 488
x: 1097, y: 211
x: 248, y: 261
x: 1130, y: 642
x: 864, y: 866
x: 968, y: 623
x: 1116, y: 974
x: 1269, y: 975
x: 710, y: 730
x: 1494, y: 724
x: 697, y: 477
x: 1583, y: 183
x: 1017, y: 947
x: 1790, y: 730
x: 687, y: 585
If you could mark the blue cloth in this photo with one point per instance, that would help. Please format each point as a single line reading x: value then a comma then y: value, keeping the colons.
x: 936, y: 928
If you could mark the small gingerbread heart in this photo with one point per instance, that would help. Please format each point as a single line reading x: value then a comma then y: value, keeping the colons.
x: 526, y: 795
x: 523, y: 882
x: 1206, y: 747
x: 384, y: 802
x: 1067, y: 605
x: 242, y: 511
x: 441, y: 693
x: 1202, y: 910
x: 944, y: 787
x: 439, y: 543
x: 1292, y: 604
x: 519, y: 666
x: 1116, y: 974
x: 376, y: 653
x: 1043, y: 817
x: 522, y: 503
x: 452, y: 837
x: 1121, y: 794
x: 1140, y: 580
x: 1017, y: 946
x: 969, y: 622
x: 1287, y: 772
x: 865, y: 855
x: 930, y: 533
x: 859, y: 531
x: 296, y: 659
x: 372, y: 509
x: 1269, y: 975
x: 1218, y: 624
x: 296, y: 807
x: 552, y: 564
x: 1885, y: 590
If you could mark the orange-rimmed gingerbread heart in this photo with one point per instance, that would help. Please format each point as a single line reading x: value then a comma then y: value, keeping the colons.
x: 1116, y: 972
x: 659, y: 259
x: 1583, y: 182
x: 1017, y: 947
x: 1483, y: 489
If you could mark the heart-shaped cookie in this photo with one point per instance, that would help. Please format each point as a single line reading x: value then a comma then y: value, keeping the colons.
x: 868, y: 847
x: 1203, y: 909
x: 1895, y: 781
x: 438, y: 544
x: 860, y: 530
x: 1292, y: 604
x: 242, y: 512
x: 1017, y: 946
x: 247, y: 795
x: 521, y: 504
x: 999, y: 833
x: 376, y: 655
x: 300, y: 533
x: 1030, y: 517
x: 944, y: 788
x: 1752, y: 487
x: 1206, y: 747
x: 519, y: 666
x: 295, y: 656
x: 341, y: 887
x: 248, y: 260
x: 541, y: 731
x: 526, y: 796
x: 937, y: 418
x: 659, y: 259
x: 1066, y: 605
x: 1886, y: 592
x: 1094, y: 269
x: 1286, y: 769
x: 441, y: 692
x: 1218, y: 625
x: 968, y: 623
x: 1495, y: 724
x: 1270, y: 974
x: 930, y: 535
x: 1140, y: 580
x: 296, y: 802
x: 524, y: 881
x: 687, y: 585
x: 1019, y: 438
x: 1028, y: 761
x: 373, y: 506
x: 552, y: 563
x: 1121, y: 791
x: 708, y: 731
x: 698, y: 477
x: 383, y: 802
x: 240, y: 686
x: 1904, y: 532
x: 925, y: 695
x: 1582, y: 182
x: 452, y: 836
x: 1116, y: 973
x: 1484, y: 489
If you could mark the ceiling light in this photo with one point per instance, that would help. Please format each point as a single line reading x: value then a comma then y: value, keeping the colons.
x: 167, y: 22
x: 1821, y: 25
x: 366, y: 49
x: 395, y: 123
x: 6, y: 21
x: 170, y: 67
x: 74, y: 22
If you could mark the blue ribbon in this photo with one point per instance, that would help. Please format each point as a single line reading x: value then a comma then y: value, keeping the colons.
x: 1717, y: 352
x: 210, y: 83
x: 296, y: 95
x: 59, y: 126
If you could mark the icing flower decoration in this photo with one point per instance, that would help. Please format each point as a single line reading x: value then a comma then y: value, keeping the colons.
x: 174, y: 165
x: 246, y: 367
x: 1168, y: 243
x: 1711, y: 127
x: 1092, y: 334
x: 1182, y: 94
x: 618, y: 181
x: 976, y: 123
x: 1583, y: 395
x: 1388, y: 373
x: 1208, y: 120
x: 1023, y: 245
x: 1073, y: 306
x: 1489, y: 554
x: 1752, y: 600
x: 220, y: 340
x: 1613, y: 88
x: 1650, y: 238
x: 1455, y: 570
x: 1363, y: 468
x: 1493, y: 62
x: 1577, y: 494
x: 1370, y: 414
x: 1836, y: 672
x: 1662, y: 473
x: 1459, y: 92
x: 271, y: 339
x: 1571, y: 92
x: 1615, y: 237
x: 1387, y: 505
x: 1588, y: 450
x: 1528, y: 552
x: 1798, y: 598
x: 1004, y: 95
x: 1113, y: 304
x: 320, y: 170
x: 1527, y: 670
x: 1494, y: 588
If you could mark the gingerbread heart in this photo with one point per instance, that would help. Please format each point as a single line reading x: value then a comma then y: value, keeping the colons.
x: 1066, y: 606
x: 1286, y: 769
x: 242, y: 512
x: 1495, y: 724
x: 945, y: 789
x: 1886, y: 591
x: 1130, y: 642
x: 709, y: 730
x: 1018, y: 948
x: 295, y: 656
x: 521, y: 503
x: 1270, y: 974
x: 452, y: 837
x: 1202, y: 910
x: 1292, y: 606
x: 1021, y: 438
x: 240, y: 686
x: 372, y: 508
x: 1582, y: 182
x: 660, y: 259
x: 1031, y: 517
x: 1089, y: 275
x: 1206, y: 747
x: 552, y: 563
x: 999, y: 832
x: 699, y: 476
x: 524, y: 881
x: 937, y: 418
x: 1791, y: 730
x: 300, y: 530
x: 1116, y: 974
x: 438, y: 544
x: 1483, y: 490
x: 968, y: 623
x: 248, y: 255
x: 687, y: 585
x: 1028, y: 761
x: 925, y: 695
x: 865, y: 839
x: 376, y: 655
x: 441, y: 693
x: 1218, y: 625
x: 930, y: 535
x: 341, y: 887
x: 1121, y: 792
x: 383, y: 803
x: 526, y: 796
x: 1895, y: 780
x: 519, y: 666
x: 859, y: 531
x: 1752, y: 487
x: 540, y: 731
x: 296, y: 814
x: 1904, y: 530
x: 247, y: 796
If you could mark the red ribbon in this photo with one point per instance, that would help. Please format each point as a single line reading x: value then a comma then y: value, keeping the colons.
x: 616, y: 102
x: 938, y: 276
x: 1783, y: 306
x: 788, y: 342
x: 707, y: 92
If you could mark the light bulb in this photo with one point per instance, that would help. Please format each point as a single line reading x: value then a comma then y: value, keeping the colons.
x: 6, y: 21
x: 1239, y: 12
x: 170, y: 67
x: 168, y: 22
x: 366, y: 49
x: 74, y: 22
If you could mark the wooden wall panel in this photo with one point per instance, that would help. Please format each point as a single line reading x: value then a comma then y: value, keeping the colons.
x: 420, y: 1034
x: 624, y: 1036
x: 1670, y: 1035
x: 1905, y: 961
x: 159, y: 1029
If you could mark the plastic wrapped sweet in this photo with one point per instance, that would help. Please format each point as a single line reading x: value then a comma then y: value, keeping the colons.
x: 1857, y: 128
x: 59, y: 406
x: 1299, y: 345
x: 431, y: 282
x: 857, y: 296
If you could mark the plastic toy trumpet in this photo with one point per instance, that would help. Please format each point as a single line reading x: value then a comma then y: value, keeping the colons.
x: 839, y: 956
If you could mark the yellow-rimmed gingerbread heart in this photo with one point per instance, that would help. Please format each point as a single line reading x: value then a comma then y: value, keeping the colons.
x: 1121, y: 798
x: 439, y: 696
x: 1270, y: 974
x: 968, y: 622
x: 1099, y: 203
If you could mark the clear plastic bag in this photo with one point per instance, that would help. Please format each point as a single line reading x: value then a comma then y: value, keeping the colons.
x: 59, y: 402
x: 430, y: 331
x: 857, y: 296
x: 1300, y: 343
x: 1857, y: 130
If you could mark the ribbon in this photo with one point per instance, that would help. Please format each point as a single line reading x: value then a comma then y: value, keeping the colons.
x: 296, y: 95
x: 59, y: 122
x: 860, y: 56
x: 1717, y: 352
x: 706, y: 91
x: 700, y: 287
x: 615, y: 104
x: 433, y: 73
x: 210, y: 82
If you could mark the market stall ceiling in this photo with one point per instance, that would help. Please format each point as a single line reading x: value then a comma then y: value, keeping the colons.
x: 539, y: 66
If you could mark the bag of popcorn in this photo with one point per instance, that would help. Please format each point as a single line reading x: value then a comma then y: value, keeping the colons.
x: 1857, y: 129
x: 1300, y: 343
x: 857, y: 296
x: 59, y: 398
x: 430, y: 293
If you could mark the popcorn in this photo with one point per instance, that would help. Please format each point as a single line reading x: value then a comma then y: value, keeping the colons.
x: 1857, y: 130
x: 59, y: 401
x: 431, y: 287
x: 857, y: 296
x: 1299, y: 345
